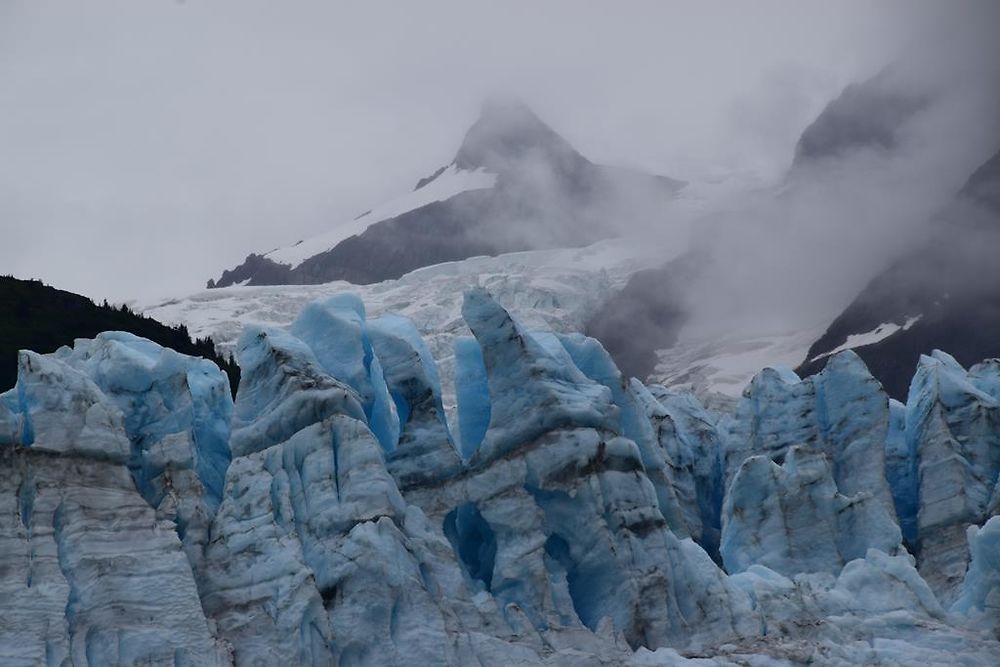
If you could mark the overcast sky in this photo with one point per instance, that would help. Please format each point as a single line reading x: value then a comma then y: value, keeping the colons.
x: 145, y: 146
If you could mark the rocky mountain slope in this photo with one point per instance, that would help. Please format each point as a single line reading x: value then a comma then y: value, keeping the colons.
x: 941, y: 294
x: 866, y: 116
x: 514, y: 184
x: 945, y: 294
x: 331, y: 516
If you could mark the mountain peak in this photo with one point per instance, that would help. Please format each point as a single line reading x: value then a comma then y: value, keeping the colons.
x: 984, y: 184
x: 498, y: 109
x: 867, y: 115
x: 514, y: 185
x: 507, y: 132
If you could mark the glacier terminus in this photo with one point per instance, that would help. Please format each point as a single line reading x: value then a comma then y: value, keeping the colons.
x: 566, y: 515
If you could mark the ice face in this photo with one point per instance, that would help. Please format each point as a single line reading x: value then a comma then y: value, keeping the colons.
x: 11, y: 420
x: 145, y: 518
x: 312, y: 489
x: 301, y: 500
x: 336, y: 331
x: 63, y: 411
x: 682, y: 416
x: 791, y: 518
x: 177, y: 411
x: 472, y: 391
x: 980, y: 595
x: 283, y: 389
x: 953, y: 429
x: 92, y: 573
x: 841, y: 411
x: 875, y: 596
x: 901, y: 472
x: 425, y: 451
x: 531, y: 390
x: 584, y: 485
x: 666, y: 465
x: 164, y: 396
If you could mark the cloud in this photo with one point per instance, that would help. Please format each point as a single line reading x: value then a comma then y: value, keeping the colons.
x: 148, y: 145
x: 795, y: 255
x: 883, y: 165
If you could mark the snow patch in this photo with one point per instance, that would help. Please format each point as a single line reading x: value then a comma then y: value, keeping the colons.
x: 879, y: 333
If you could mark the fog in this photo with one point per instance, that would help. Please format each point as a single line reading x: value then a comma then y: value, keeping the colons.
x: 795, y: 255
x: 146, y: 146
x: 873, y: 179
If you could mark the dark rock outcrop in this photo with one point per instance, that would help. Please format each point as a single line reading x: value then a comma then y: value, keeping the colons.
x: 865, y: 116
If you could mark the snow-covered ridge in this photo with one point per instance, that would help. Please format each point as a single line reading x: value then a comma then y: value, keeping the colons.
x: 331, y: 516
x: 513, y: 185
x: 447, y: 184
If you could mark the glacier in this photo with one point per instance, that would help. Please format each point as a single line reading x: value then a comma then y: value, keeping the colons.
x: 333, y: 514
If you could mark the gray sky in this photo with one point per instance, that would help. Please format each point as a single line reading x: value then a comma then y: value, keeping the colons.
x: 146, y: 146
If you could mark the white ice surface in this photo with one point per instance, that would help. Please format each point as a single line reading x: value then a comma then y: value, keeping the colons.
x: 725, y: 364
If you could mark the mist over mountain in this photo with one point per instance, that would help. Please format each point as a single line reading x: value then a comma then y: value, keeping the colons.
x: 944, y: 295
x: 514, y: 184
x: 881, y: 178
x: 865, y: 116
